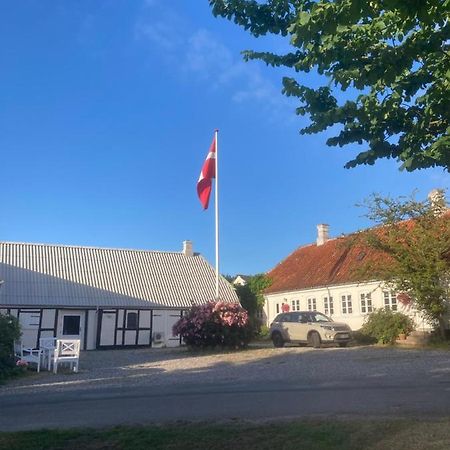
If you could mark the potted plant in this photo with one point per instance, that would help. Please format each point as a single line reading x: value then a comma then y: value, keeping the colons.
x: 401, y: 336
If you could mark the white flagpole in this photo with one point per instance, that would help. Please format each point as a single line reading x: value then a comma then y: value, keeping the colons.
x: 217, y: 215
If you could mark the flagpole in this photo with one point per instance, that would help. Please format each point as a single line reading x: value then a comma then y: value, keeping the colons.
x: 217, y: 214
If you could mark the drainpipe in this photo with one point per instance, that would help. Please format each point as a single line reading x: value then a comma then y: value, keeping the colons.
x: 329, y: 295
x: 266, y: 301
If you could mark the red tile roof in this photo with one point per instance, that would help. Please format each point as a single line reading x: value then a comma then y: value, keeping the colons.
x: 335, y: 262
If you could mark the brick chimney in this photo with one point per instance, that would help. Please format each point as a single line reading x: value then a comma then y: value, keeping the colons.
x: 187, y: 248
x: 322, y: 233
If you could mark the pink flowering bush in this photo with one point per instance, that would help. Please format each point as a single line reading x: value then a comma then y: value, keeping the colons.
x: 21, y: 363
x: 215, y: 324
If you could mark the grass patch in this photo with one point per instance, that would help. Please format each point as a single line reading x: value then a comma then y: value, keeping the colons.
x: 16, y: 372
x: 438, y: 343
x: 306, y: 434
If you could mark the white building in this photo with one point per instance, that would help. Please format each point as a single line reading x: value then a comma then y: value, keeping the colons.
x: 108, y: 298
x: 324, y: 276
x: 240, y: 280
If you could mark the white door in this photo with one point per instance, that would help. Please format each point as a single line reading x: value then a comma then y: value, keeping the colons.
x: 107, y: 328
x: 29, y: 324
x: 71, y: 325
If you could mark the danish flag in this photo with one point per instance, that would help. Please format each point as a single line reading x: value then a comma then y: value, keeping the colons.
x: 204, y: 184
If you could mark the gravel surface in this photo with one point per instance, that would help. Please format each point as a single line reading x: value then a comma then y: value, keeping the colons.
x: 163, y: 367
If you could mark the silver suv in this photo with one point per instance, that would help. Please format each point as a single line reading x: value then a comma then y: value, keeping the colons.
x: 308, y: 327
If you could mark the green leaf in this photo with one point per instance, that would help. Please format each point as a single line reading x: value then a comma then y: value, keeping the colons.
x: 393, y: 55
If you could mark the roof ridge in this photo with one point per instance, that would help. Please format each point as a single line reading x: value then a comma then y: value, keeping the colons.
x: 301, y: 247
x: 92, y: 247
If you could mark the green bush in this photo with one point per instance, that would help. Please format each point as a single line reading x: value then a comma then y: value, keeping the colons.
x: 385, y: 325
x: 359, y: 338
x: 9, y: 332
x: 264, y: 332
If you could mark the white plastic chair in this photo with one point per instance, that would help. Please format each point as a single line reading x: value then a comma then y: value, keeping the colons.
x: 30, y: 355
x: 66, y: 351
x: 47, y: 345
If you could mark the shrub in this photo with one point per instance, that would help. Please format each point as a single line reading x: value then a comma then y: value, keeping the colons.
x: 215, y: 324
x: 9, y: 332
x: 264, y: 332
x: 359, y: 338
x: 255, y: 325
x: 385, y: 325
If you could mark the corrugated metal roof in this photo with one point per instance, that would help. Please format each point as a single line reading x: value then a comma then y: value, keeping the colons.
x: 61, y: 275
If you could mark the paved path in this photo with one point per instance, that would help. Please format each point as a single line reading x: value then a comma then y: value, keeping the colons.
x: 141, y: 386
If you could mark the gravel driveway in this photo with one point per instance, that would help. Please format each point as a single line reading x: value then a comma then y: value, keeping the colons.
x: 147, y: 385
x: 327, y: 366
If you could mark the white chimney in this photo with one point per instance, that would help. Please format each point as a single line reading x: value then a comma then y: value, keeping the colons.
x: 187, y: 248
x: 322, y: 233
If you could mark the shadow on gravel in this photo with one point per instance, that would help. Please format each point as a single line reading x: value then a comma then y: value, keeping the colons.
x: 179, y: 366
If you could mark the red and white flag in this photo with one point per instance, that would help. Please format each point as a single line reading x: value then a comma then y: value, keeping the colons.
x: 204, y: 184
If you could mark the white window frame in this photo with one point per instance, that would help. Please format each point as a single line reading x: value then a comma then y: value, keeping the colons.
x: 390, y: 300
x: 295, y: 305
x: 312, y: 304
x: 346, y: 304
x: 328, y: 305
x: 365, y: 302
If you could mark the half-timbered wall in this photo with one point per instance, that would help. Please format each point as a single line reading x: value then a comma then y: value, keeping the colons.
x: 102, y: 329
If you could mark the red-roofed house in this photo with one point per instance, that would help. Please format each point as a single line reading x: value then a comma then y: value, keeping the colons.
x: 324, y: 276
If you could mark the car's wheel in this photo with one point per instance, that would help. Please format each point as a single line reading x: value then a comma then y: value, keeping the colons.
x: 343, y: 344
x: 277, y: 340
x: 314, y: 339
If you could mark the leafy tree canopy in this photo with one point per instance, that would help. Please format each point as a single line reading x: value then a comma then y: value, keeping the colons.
x: 251, y: 294
x: 415, y: 237
x: 395, y: 54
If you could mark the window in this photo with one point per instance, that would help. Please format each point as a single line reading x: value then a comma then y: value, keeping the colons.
x: 312, y: 304
x: 303, y: 318
x: 366, y: 303
x: 318, y: 317
x: 390, y: 300
x: 71, y: 325
x: 283, y: 318
x: 346, y: 302
x: 295, y: 305
x: 328, y: 306
x: 278, y: 308
x: 131, y: 321
x: 293, y: 317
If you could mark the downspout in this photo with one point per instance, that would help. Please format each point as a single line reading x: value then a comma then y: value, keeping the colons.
x: 329, y: 295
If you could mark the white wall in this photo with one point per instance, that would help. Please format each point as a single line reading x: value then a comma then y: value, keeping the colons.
x: 91, y: 337
x: 354, y: 319
x: 29, y: 320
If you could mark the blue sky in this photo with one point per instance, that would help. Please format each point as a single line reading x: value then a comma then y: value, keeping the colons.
x: 107, y: 112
